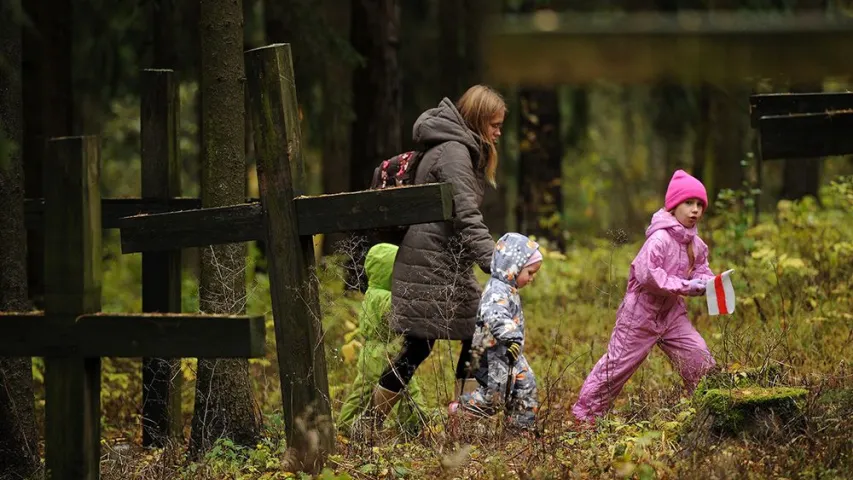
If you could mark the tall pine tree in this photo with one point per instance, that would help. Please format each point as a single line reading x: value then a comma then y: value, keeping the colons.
x: 18, y: 441
x: 224, y: 404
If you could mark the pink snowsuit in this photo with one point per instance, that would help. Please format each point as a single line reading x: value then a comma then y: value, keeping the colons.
x: 652, y: 312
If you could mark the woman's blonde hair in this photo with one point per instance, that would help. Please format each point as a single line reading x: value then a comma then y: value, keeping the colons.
x: 478, y: 106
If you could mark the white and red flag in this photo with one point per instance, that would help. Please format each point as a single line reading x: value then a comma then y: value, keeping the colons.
x: 720, y: 294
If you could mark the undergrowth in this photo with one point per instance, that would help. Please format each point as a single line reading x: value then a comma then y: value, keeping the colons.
x: 793, y: 273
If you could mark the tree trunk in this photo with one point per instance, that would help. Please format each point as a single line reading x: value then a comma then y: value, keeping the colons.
x: 376, y: 133
x: 48, y: 109
x: 575, y: 111
x: 18, y: 441
x: 225, y: 405
x: 337, y: 110
x: 377, y: 103
x: 540, y: 189
x: 285, y: 22
x: 163, y: 25
x: 451, y: 18
x: 471, y: 72
x: 702, y: 131
x: 671, y: 117
x: 728, y: 124
x: 475, y: 10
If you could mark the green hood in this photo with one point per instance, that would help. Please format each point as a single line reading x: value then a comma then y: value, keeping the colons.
x: 379, y: 265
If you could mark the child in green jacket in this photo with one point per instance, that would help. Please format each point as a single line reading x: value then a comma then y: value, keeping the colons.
x: 380, y: 347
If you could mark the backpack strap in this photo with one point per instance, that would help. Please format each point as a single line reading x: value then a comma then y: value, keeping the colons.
x: 412, y: 169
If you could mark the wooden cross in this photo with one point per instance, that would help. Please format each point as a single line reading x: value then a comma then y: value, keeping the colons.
x: 801, y: 125
x: 71, y: 333
x: 686, y: 47
x: 287, y: 224
x: 161, y: 271
x: 792, y: 125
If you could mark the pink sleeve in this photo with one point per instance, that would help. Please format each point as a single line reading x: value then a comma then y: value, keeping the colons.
x: 701, y: 269
x: 649, y: 272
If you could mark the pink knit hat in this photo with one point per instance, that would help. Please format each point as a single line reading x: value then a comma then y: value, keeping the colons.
x: 536, y: 257
x: 682, y: 187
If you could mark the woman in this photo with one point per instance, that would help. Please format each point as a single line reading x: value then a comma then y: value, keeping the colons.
x: 435, y: 294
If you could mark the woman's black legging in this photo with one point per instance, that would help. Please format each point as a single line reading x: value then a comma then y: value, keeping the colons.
x: 414, y: 351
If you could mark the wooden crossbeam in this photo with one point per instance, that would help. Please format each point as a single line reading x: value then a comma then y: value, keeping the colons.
x: 806, y: 135
x: 31, y: 334
x: 322, y: 214
x: 687, y: 47
x: 771, y: 104
x: 191, y: 228
x: 350, y: 211
x: 112, y: 209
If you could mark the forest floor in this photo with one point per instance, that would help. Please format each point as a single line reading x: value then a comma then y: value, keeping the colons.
x: 793, y: 324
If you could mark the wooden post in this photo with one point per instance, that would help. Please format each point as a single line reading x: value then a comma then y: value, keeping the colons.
x: 72, y: 287
x: 295, y: 300
x: 161, y: 271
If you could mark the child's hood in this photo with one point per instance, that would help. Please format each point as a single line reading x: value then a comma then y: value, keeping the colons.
x: 511, y: 253
x: 663, y: 220
x: 379, y: 265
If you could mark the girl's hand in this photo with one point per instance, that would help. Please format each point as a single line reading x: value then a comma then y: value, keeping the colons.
x: 696, y: 287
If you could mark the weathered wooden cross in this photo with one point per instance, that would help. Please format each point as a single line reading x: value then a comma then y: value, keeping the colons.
x: 71, y: 333
x: 287, y: 225
x: 161, y: 271
x: 801, y: 125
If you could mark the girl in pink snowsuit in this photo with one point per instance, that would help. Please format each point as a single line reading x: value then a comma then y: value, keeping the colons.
x: 672, y: 263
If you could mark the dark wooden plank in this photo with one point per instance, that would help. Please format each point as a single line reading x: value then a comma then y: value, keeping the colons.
x: 772, y: 104
x: 191, y: 228
x: 72, y: 287
x: 170, y: 335
x: 348, y: 211
x: 31, y: 334
x: 321, y: 214
x: 290, y: 257
x: 806, y: 135
x: 687, y: 47
x: 161, y: 271
x: 112, y: 209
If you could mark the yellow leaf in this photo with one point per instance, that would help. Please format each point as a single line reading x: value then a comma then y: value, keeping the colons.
x: 349, y: 351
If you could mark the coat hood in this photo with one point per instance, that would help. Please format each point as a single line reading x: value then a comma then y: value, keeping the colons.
x: 663, y: 220
x: 379, y: 265
x: 442, y: 124
x: 511, y: 253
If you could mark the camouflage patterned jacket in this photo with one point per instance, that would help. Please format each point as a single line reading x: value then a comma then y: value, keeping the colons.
x: 500, y: 319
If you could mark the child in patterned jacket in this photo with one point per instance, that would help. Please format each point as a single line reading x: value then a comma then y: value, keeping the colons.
x: 498, y: 342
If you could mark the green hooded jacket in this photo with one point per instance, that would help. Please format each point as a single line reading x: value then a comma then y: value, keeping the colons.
x: 380, y: 347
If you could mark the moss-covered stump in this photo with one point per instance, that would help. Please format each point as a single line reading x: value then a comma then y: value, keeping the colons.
x: 740, y: 377
x: 740, y: 409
